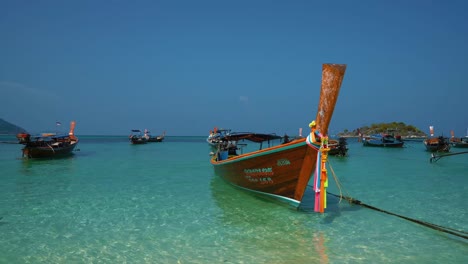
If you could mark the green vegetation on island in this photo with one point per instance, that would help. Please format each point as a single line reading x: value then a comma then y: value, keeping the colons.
x: 398, y: 128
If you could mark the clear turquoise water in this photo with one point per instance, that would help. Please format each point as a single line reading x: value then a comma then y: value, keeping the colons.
x: 113, y: 202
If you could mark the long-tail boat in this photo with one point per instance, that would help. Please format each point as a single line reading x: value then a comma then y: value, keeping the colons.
x: 151, y: 138
x: 137, y: 137
x: 436, y: 144
x: 216, y: 136
x: 338, y: 147
x: 459, y: 142
x: 383, y: 140
x: 48, y: 145
x: 283, y: 171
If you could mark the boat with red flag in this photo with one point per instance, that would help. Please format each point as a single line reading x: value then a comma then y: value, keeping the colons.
x: 283, y: 171
x: 461, y: 142
x: 48, y: 145
x: 436, y: 144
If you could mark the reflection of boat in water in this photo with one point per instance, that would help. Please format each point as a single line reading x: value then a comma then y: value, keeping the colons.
x: 242, y: 213
x: 283, y: 171
x: 232, y: 201
x: 48, y: 145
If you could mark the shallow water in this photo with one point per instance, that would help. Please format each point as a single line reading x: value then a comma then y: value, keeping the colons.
x: 113, y: 202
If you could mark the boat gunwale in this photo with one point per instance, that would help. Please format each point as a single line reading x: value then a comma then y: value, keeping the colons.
x: 266, y: 151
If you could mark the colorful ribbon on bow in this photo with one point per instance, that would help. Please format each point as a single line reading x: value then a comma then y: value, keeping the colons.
x: 320, y: 174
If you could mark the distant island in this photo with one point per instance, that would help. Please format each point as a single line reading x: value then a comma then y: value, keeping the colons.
x: 7, y: 128
x: 398, y: 128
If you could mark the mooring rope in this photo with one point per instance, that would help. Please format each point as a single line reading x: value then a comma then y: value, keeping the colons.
x: 436, y: 158
x: 448, y: 230
x: 351, y: 200
x: 337, y: 181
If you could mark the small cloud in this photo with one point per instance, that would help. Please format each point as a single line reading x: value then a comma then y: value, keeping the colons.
x: 244, y: 99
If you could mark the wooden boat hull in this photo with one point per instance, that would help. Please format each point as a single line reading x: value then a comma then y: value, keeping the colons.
x: 379, y: 143
x: 159, y: 138
x: 437, y: 145
x: 138, y: 141
x: 338, y: 147
x: 155, y: 139
x: 460, y: 145
x: 137, y: 137
x: 459, y: 142
x: 48, y: 145
x: 383, y: 140
x: 49, y: 151
x: 437, y: 148
x: 282, y: 171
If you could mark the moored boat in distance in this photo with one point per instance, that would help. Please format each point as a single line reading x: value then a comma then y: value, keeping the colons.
x: 338, y: 147
x: 216, y: 136
x: 151, y: 138
x: 48, y: 145
x: 459, y: 142
x: 283, y: 171
x: 383, y: 140
x: 137, y: 137
x: 436, y: 144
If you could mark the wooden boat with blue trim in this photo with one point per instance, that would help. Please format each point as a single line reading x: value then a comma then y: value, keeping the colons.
x: 283, y: 171
x: 48, y: 145
x: 383, y: 140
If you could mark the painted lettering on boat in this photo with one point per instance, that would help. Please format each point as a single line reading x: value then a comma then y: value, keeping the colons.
x: 260, y: 180
x: 283, y: 162
x: 259, y: 171
x: 259, y: 175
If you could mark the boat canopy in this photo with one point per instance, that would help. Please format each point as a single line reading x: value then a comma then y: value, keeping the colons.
x: 45, y: 136
x: 254, y: 137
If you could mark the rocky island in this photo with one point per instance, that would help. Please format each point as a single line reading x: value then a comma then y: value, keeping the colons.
x: 397, y: 128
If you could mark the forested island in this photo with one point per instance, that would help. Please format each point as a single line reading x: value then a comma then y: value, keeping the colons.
x: 397, y: 128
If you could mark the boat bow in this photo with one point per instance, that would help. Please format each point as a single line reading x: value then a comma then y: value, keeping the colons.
x: 283, y: 171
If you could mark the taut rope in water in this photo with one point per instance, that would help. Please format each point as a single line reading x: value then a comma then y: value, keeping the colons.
x: 448, y: 230
x: 455, y: 232
x: 436, y: 158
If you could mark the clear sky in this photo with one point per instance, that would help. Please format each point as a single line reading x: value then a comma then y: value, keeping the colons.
x: 254, y: 65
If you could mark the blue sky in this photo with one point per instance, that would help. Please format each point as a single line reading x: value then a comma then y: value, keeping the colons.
x: 188, y: 66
